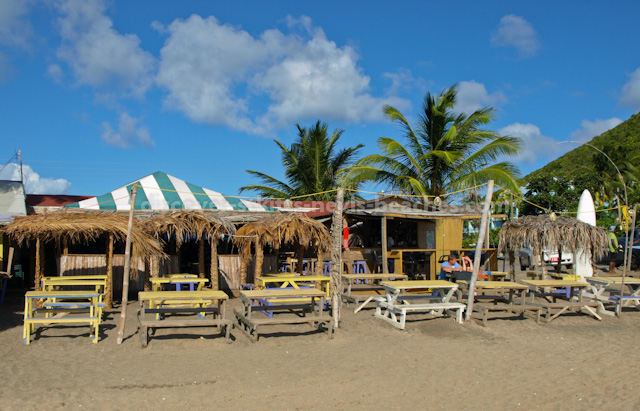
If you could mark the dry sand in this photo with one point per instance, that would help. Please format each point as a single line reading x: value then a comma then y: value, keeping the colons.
x: 575, y: 362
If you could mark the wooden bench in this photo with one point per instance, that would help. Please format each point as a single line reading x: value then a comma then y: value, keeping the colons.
x: 307, y: 304
x: 401, y: 309
x: 484, y: 310
x: 51, y: 298
x: 199, y: 303
x: 564, y: 306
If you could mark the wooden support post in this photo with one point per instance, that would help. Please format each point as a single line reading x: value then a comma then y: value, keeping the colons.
x: 512, y: 262
x: 383, y: 242
x: 127, y: 269
x: 201, y: 258
x: 39, y: 268
x: 65, y: 246
x: 108, y: 287
x: 214, y: 263
x: 336, y: 257
x: 257, y: 270
x: 476, y: 260
x: 243, y: 267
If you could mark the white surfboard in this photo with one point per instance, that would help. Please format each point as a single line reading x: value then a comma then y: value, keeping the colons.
x: 586, y: 214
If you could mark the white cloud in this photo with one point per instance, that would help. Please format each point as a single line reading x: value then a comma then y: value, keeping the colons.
x: 403, y: 80
x: 219, y: 74
x: 473, y: 96
x: 535, y: 144
x: 55, y: 72
x: 589, y: 129
x: 515, y: 31
x: 14, y: 29
x: 631, y: 91
x: 99, y: 55
x: 129, y: 133
x: 34, y: 184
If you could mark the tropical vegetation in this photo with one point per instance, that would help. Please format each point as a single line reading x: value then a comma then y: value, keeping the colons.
x: 313, y: 164
x: 444, y: 151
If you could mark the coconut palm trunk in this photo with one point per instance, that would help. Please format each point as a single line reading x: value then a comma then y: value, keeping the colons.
x: 257, y: 272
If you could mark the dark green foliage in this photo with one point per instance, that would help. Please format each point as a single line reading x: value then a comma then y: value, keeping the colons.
x: 312, y: 164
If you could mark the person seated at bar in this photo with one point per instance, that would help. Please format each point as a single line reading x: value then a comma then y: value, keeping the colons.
x: 467, y: 264
x: 448, y: 266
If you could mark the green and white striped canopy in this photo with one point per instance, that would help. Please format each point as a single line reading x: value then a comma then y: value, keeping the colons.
x: 160, y: 191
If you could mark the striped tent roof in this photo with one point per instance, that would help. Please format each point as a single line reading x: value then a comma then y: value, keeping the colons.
x: 160, y: 191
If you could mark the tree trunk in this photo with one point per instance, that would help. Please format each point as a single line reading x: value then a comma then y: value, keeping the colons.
x: 39, y: 268
x: 201, y: 258
x: 243, y: 268
x: 300, y: 257
x: 336, y: 257
x: 319, y: 264
x: 108, y: 287
x: 214, y: 264
x: 512, y: 262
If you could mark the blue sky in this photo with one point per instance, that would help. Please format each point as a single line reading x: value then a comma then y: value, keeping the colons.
x: 98, y: 93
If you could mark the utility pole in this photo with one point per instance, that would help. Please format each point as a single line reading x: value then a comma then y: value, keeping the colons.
x: 21, y: 174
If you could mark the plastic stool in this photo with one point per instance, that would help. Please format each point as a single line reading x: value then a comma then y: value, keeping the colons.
x: 326, y: 267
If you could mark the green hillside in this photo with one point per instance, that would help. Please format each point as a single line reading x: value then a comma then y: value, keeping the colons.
x: 620, y: 143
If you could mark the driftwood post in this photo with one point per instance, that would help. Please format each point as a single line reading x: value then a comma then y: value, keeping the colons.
x: 108, y: 287
x: 336, y: 257
x: 476, y: 259
x: 629, y: 250
x: 127, y: 267
x: 214, y: 263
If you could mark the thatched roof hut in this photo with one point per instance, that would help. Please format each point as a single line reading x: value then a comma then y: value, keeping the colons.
x: 183, y: 224
x: 544, y: 232
x: 81, y: 227
x: 283, y: 228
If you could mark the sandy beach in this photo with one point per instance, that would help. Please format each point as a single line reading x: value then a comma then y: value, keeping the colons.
x: 574, y: 362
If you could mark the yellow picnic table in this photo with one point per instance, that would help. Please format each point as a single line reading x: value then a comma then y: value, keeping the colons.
x: 295, y: 281
x: 568, y: 301
x: 49, y: 282
x: 55, y: 301
x: 305, y: 305
x: 157, y: 282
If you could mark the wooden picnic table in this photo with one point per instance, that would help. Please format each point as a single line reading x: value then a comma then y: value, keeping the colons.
x: 48, y: 283
x: 399, y: 297
x: 56, y: 301
x: 199, y: 303
x: 563, y: 302
x: 306, y: 305
x: 157, y: 282
x: 294, y: 281
x: 364, y: 294
x: 500, y: 302
x: 612, y: 284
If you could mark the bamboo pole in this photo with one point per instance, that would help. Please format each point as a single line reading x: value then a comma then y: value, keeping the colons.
x: 108, y: 287
x: 201, y: 258
x: 214, y: 264
x: 127, y: 268
x: 336, y: 257
x: 476, y: 259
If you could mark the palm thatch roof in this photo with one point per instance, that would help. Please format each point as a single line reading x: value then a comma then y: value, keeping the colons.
x: 183, y: 224
x: 284, y: 228
x: 82, y: 227
x: 544, y: 232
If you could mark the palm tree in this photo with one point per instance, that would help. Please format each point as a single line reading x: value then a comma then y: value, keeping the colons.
x: 444, y: 153
x: 312, y: 165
